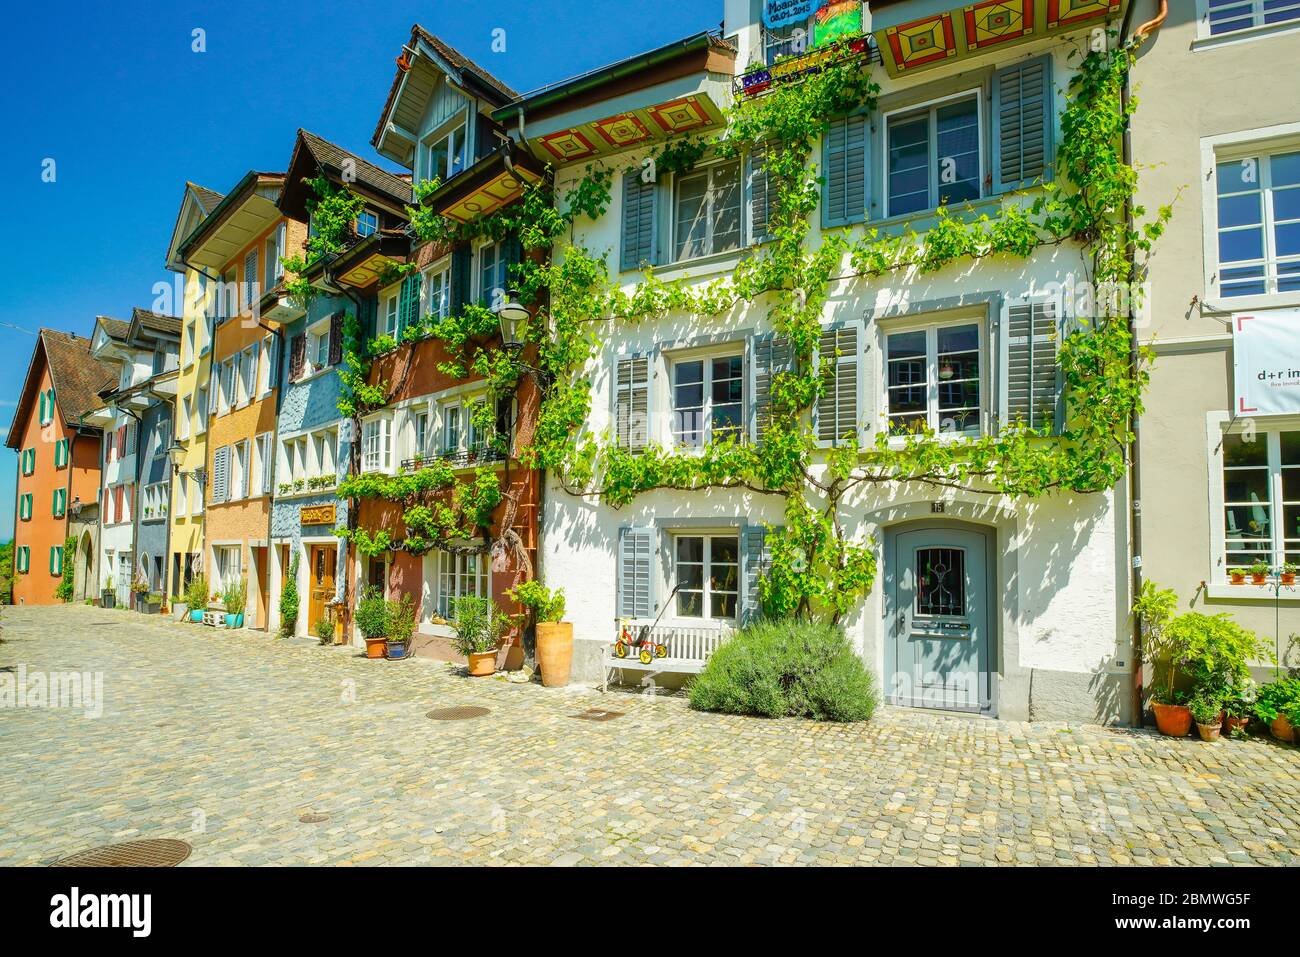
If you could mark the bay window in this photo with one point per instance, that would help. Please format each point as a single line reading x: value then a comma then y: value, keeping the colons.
x: 708, y: 575
x: 707, y: 399
x: 934, y: 155
x: 933, y: 379
x: 707, y: 211
x: 1258, y: 212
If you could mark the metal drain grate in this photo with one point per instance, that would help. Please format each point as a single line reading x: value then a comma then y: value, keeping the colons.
x: 596, y: 714
x: 153, y: 853
x: 313, y: 818
x: 462, y: 713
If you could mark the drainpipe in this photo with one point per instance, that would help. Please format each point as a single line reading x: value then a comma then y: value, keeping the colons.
x: 349, y: 552
x: 1135, y: 457
x: 212, y: 352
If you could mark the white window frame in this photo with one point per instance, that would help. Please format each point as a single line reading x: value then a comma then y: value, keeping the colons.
x: 701, y: 170
x: 454, y: 574
x: 377, y: 445
x: 456, y: 128
x: 707, y: 592
x: 186, y: 411
x: 464, y: 404
x: 318, y: 336
x: 182, y: 495
x: 370, y: 219
x: 390, y: 311
x: 499, y: 273
x: 1257, y: 28
x: 1219, y: 424
x: 1283, y: 138
x: 931, y: 327
x: 263, y: 377
x: 223, y: 558
x: 439, y: 273
x: 706, y: 356
x: 929, y: 107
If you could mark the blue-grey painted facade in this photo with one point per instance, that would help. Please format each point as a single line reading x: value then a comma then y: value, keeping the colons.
x: 153, y: 466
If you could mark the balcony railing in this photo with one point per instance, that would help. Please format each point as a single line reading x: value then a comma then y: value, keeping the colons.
x: 761, y: 79
x: 457, y: 458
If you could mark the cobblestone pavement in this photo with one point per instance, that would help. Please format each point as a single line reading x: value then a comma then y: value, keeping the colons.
x: 226, y: 739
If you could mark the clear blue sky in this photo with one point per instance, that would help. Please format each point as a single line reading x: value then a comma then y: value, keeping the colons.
x: 113, y: 93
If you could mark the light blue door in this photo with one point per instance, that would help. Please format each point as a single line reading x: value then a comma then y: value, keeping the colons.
x: 938, y: 620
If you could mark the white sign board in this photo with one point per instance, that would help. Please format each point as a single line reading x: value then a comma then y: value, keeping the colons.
x: 1266, y: 362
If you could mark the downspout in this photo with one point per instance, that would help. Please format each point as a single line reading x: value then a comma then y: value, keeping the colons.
x: 1135, y: 456
x: 212, y: 352
x: 349, y: 551
x: 135, y: 510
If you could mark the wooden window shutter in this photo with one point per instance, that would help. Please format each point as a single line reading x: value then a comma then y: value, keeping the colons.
x: 221, y: 474
x: 769, y: 355
x: 297, y: 357
x: 635, y: 572
x: 1030, y: 390
x: 461, y: 278
x: 632, y: 402
x: 336, y: 338
x: 638, y: 240
x: 844, y: 169
x: 1023, y: 118
x: 408, y: 306
x: 837, y: 406
x: 761, y: 195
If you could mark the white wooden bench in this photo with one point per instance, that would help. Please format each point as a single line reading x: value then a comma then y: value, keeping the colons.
x: 688, y: 647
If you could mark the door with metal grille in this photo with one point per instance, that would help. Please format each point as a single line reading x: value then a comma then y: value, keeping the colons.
x: 938, y: 620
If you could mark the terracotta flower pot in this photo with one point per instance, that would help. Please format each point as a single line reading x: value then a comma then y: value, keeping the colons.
x: 1237, y: 578
x: 1259, y: 579
x: 1282, y: 729
x: 375, y: 647
x: 482, y: 664
x: 555, y: 652
x: 1233, y: 724
x: 1288, y: 578
x: 1174, y: 720
x: 1209, y: 732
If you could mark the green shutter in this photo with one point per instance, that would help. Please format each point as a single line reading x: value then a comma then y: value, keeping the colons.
x: 461, y: 278
x: 638, y: 240
x: 1023, y: 117
x: 844, y: 171
x: 24, y: 558
x: 408, y: 305
x: 42, y: 414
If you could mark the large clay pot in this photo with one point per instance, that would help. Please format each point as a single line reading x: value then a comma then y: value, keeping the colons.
x: 1282, y: 729
x: 375, y: 647
x: 1209, y: 732
x: 555, y: 652
x: 482, y: 664
x: 1174, y: 720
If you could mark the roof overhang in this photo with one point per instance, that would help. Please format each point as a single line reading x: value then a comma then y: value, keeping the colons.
x: 362, y: 264
x: 279, y: 307
x: 495, y: 181
x: 304, y: 165
x: 191, y: 213
x: 247, y: 211
x: 916, y: 35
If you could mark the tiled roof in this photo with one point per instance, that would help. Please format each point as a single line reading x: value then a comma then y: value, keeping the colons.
x: 116, y: 328
x: 169, y: 325
x: 208, y: 198
x: 76, y: 374
x: 329, y: 154
x: 462, y: 62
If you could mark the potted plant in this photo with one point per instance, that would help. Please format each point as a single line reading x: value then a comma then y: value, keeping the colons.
x: 1287, y: 573
x: 153, y: 602
x: 1154, y: 610
x: 372, y: 621
x: 289, y: 602
x: 1207, y: 712
x: 108, y: 597
x: 1278, y: 706
x: 324, y: 630
x: 1258, y: 572
x: 139, y: 588
x: 477, y: 628
x: 196, y: 597
x: 554, y: 638
x: 1215, y: 652
x: 235, y: 597
x: 1238, y: 709
x: 401, y: 625
x: 1236, y: 576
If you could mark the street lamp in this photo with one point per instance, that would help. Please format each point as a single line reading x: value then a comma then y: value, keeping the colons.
x: 512, y: 314
x: 175, y: 452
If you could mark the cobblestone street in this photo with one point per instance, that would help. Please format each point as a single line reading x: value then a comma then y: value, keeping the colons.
x: 226, y: 740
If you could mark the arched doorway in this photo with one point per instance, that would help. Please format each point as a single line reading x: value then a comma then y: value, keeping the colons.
x: 83, y: 569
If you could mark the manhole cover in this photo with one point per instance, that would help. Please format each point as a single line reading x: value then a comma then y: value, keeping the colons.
x: 596, y: 714
x: 461, y: 713
x: 313, y: 818
x: 155, y: 853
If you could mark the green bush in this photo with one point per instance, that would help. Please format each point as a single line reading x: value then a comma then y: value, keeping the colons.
x: 401, y: 619
x: 787, y: 667
x: 196, y: 593
x: 289, y: 601
x: 372, y: 613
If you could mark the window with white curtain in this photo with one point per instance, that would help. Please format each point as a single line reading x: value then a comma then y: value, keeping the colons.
x: 376, y: 444
x: 458, y: 576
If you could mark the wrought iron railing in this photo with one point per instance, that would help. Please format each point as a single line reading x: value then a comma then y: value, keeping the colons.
x: 457, y: 458
x: 761, y: 79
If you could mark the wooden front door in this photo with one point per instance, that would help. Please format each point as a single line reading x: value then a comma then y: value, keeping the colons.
x: 320, y: 581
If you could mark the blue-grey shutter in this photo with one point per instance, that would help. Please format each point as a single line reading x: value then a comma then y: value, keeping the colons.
x: 221, y: 474
x: 755, y: 560
x: 638, y: 241
x: 1023, y: 119
x: 844, y: 170
x: 1031, y: 376
x: 461, y: 278
x: 760, y: 196
x: 632, y: 402
x: 769, y: 354
x: 636, y: 572
x: 837, y: 406
x: 512, y: 252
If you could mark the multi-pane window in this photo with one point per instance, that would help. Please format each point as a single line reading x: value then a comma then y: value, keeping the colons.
x: 318, y: 345
x: 1261, y: 499
x: 708, y: 575
x: 376, y: 444
x: 707, y: 211
x: 227, y: 561
x: 367, y: 223
x: 707, y: 395
x: 444, y: 157
x: 934, y: 156
x: 390, y: 313
x: 1229, y: 16
x: 933, y: 380
x: 493, y: 273
x: 459, y: 576
x: 1258, y: 206
x: 435, y: 292
x: 420, y: 433
x: 451, y: 428
x: 790, y: 40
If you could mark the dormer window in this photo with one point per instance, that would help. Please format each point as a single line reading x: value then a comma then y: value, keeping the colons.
x: 367, y: 223
x: 443, y: 155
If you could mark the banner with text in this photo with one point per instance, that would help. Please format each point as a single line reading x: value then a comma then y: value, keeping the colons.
x: 1266, y: 362
x: 780, y: 13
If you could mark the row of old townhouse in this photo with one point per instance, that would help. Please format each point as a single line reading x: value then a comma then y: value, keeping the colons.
x: 219, y: 438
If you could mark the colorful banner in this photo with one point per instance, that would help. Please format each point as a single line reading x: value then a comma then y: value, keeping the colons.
x: 1266, y: 362
x: 835, y: 21
x: 780, y: 13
